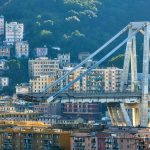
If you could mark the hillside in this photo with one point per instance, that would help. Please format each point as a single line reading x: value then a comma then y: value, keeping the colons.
x: 73, y: 25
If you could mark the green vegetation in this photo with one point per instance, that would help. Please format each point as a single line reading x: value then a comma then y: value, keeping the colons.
x: 18, y: 73
x: 68, y: 24
x: 73, y: 25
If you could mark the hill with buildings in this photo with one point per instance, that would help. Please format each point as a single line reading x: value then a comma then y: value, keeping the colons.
x: 73, y: 25
x: 55, y: 23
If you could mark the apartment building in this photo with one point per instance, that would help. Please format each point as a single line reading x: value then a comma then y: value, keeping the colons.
x: 88, y: 111
x: 38, y: 138
x: 52, y: 109
x: 3, y: 64
x: 20, y: 116
x: 76, y: 86
x: 2, y: 25
x: 21, y: 49
x: 127, y: 138
x: 4, y: 81
x: 113, y: 138
x: 43, y: 66
x: 14, y: 32
x: 64, y: 59
x: 38, y: 84
x: 107, y: 80
x: 112, y: 79
x: 83, y: 141
x: 94, y: 81
x: 7, y: 108
x: 22, y: 88
x: 4, y: 52
x: 41, y: 51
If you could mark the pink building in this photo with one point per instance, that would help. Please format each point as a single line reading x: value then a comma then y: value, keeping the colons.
x: 83, y: 141
x: 101, y: 140
x: 86, y: 110
x: 89, y: 140
x: 115, y: 138
x: 5, y: 51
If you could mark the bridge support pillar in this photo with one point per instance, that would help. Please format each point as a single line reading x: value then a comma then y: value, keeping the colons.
x: 118, y: 114
x: 126, y: 65
x: 144, y: 113
x: 130, y: 57
x: 133, y: 66
x: 144, y: 101
x: 135, y: 116
x: 125, y: 114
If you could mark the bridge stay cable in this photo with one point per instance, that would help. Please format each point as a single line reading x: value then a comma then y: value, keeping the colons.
x: 84, y: 61
x: 55, y: 95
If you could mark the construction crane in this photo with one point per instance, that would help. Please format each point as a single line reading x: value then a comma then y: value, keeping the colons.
x: 54, y: 96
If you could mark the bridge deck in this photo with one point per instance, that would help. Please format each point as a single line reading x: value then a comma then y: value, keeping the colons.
x: 83, y: 96
x: 100, y: 95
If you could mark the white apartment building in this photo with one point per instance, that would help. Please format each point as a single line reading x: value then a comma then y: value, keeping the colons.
x: 112, y: 79
x: 7, y: 108
x: 43, y: 66
x: 4, y: 81
x: 64, y: 59
x: 3, y: 64
x: 22, y: 88
x: 40, y: 83
x: 41, y: 51
x: 21, y: 49
x: 1, y: 25
x: 94, y: 80
x: 14, y: 32
x: 107, y: 79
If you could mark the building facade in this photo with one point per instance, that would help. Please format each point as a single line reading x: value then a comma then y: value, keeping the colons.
x: 14, y: 32
x: 20, y: 116
x: 43, y: 66
x: 64, y: 59
x: 3, y: 64
x: 21, y: 49
x: 34, y: 139
x: 121, y: 138
x: 52, y: 109
x: 38, y: 84
x: 112, y: 79
x: 4, y: 51
x: 106, y: 80
x: 71, y: 77
x: 2, y: 25
x: 41, y: 51
x: 22, y: 88
x: 88, y: 111
x: 94, y: 81
x: 4, y: 81
x: 83, y: 141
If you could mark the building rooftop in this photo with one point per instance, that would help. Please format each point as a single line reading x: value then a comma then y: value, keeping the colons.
x: 23, y: 123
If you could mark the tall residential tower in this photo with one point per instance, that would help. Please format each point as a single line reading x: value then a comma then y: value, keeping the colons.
x: 14, y: 32
x: 1, y: 25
